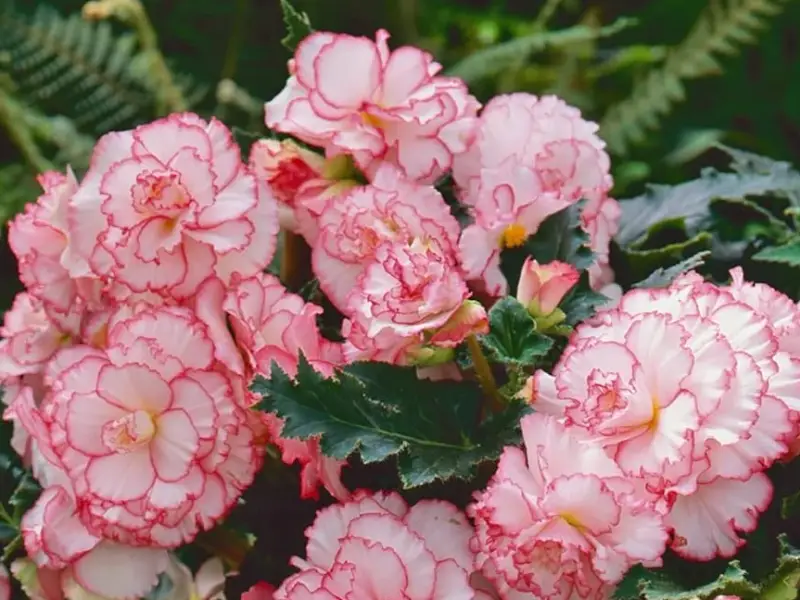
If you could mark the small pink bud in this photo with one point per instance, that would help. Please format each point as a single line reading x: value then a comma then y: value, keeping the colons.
x: 542, y: 287
x: 469, y: 319
x: 285, y: 166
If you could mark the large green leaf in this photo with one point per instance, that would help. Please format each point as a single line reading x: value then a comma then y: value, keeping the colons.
x: 582, y: 301
x: 657, y: 585
x: 690, y: 200
x: 512, y: 337
x: 381, y: 410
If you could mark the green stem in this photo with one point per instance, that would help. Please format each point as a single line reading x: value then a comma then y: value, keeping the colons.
x: 547, y: 12
x: 483, y: 372
x: 236, y: 40
x: 169, y: 97
x: 12, y: 118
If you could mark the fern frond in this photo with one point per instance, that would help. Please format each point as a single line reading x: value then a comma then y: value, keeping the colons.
x: 60, y: 62
x: 722, y: 28
x: 18, y: 186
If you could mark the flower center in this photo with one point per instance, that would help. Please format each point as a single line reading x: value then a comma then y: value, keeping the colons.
x: 371, y: 120
x: 653, y: 424
x: 513, y: 236
x: 572, y: 520
x: 289, y: 176
x: 547, y: 555
x: 160, y: 194
x: 129, y: 432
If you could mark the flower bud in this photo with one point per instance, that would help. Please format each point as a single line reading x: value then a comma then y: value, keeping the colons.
x: 285, y: 166
x: 542, y: 287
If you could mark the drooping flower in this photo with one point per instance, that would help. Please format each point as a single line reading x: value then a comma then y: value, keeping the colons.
x: 31, y: 337
x: 37, y: 238
x: 207, y: 584
x: 542, y: 287
x: 390, y: 209
x: 56, y: 540
x: 161, y: 205
x: 376, y: 547
x: 156, y: 406
x: 301, y: 181
x: 561, y: 520
x: 271, y: 324
x: 531, y: 158
x: 316, y: 468
x: 685, y: 388
x: 350, y: 95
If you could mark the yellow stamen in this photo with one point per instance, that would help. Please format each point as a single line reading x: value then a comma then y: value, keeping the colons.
x: 572, y: 520
x: 371, y: 120
x: 513, y: 236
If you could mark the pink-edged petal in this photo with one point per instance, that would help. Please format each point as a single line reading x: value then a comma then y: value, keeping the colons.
x: 121, y: 477
x: 122, y: 572
x: 174, y: 446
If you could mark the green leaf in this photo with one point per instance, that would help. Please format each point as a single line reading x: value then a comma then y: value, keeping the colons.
x: 790, y: 505
x: 664, y: 276
x: 656, y: 585
x: 582, y: 302
x: 495, y: 59
x: 381, y: 410
x: 561, y: 237
x: 788, y: 254
x: 298, y: 25
x: 643, y: 262
x: 691, y: 200
x: 784, y: 582
x: 512, y: 337
x: 24, y: 495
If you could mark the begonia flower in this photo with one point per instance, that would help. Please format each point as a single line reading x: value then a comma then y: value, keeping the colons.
x: 156, y: 406
x: 376, y: 547
x: 260, y: 591
x: 163, y: 204
x: 5, y: 583
x: 351, y: 95
x: 389, y: 210
x: 532, y: 157
x: 686, y: 388
x: 561, y: 520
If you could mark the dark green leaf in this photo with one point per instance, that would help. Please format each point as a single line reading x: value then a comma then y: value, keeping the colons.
x: 790, y: 506
x: 656, y: 585
x: 561, y: 237
x: 512, y: 337
x: 582, y: 302
x: 788, y: 254
x: 784, y: 582
x: 662, y: 277
x: 298, y: 25
x: 643, y: 262
x: 24, y: 495
x: 382, y: 410
x: 690, y: 200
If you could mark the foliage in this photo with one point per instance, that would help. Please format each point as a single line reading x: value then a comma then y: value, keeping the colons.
x: 723, y: 27
x: 379, y: 411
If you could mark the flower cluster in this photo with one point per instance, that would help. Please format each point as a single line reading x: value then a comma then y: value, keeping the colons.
x: 127, y: 389
x: 149, y: 308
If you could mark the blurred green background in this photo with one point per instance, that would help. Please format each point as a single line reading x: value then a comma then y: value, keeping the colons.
x: 736, y: 79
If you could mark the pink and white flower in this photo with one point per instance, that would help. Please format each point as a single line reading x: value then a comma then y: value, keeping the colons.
x: 531, y: 158
x: 561, y: 520
x: 157, y: 406
x: 600, y: 219
x: 38, y: 238
x: 542, y: 287
x: 376, y: 547
x: 163, y: 203
x: 685, y: 388
x: 316, y: 468
x: 389, y: 210
x: 350, y: 95
x: 271, y: 324
x: 31, y: 337
x: 512, y: 203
